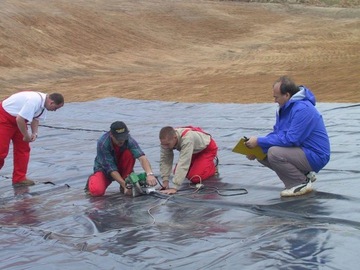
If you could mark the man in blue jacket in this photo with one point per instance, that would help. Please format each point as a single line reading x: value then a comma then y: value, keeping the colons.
x: 299, y: 144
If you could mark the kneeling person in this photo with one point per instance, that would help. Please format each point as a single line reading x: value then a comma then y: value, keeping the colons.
x: 198, y: 151
x: 116, y: 154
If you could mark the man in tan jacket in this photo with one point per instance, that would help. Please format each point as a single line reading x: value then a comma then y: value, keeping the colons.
x: 198, y: 151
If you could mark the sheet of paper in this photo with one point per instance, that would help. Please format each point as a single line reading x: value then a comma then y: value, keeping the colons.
x: 241, y: 148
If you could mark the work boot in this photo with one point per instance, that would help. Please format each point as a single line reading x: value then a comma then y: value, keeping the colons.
x: 26, y: 182
x: 216, y: 161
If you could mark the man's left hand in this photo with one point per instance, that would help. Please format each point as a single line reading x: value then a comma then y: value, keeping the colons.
x: 151, y: 180
x: 169, y: 191
x: 251, y: 142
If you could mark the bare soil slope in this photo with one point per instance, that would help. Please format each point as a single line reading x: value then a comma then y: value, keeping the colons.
x: 187, y: 51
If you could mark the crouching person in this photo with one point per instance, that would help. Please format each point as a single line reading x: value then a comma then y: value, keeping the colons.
x: 299, y: 144
x: 116, y: 154
x: 197, y: 158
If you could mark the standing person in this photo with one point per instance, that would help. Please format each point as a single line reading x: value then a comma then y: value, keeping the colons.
x: 299, y: 144
x: 15, y: 112
x: 116, y: 154
x: 198, y: 151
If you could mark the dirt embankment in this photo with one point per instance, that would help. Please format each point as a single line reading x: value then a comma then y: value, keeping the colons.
x: 187, y: 51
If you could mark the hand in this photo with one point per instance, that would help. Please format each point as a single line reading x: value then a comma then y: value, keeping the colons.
x: 127, y: 191
x: 27, y: 138
x: 151, y: 180
x: 250, y: 157
x: 251, y: 142
x: 165, y: 185
x: 33, y: 137
x: 169, y: 191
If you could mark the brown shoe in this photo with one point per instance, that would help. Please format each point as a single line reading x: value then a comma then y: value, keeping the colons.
x: 25, y: 182
x: 216, y: 161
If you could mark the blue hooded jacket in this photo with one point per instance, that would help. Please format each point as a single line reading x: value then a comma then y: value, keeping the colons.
x: 299, y: 124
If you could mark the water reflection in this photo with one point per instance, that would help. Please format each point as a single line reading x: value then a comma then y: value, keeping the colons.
x: 20, y: 209
x: 294, y: 247
x: 147, y: 219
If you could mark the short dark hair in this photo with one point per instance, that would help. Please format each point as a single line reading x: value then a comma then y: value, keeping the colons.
x: 287, y: 85
x: 57, y: 98
x: 166, y: 132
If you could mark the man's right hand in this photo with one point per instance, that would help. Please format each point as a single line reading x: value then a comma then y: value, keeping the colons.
x: 127, y: 191
x: 165, y: 185
x: 27, y: 138
x: 251, y: 157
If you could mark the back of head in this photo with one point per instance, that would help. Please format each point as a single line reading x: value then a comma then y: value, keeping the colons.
x: 166, y: 132
x: 57, y: 98
x: 287, y: 85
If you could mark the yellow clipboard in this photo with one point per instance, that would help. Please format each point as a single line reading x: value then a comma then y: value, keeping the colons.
x: 241, y: 148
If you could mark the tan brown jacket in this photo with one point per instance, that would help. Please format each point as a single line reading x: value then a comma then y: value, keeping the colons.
x: 191, y: 143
